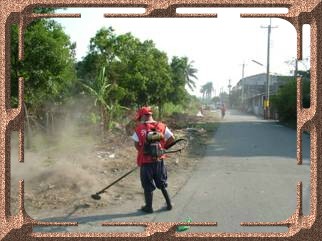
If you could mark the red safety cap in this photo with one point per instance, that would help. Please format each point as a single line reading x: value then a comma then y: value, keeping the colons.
x: 145, y: 110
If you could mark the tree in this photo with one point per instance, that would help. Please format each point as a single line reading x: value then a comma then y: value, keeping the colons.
x: 306, y: 87
x: 137, y: 63
x: 119, y: 54
x: 184, y: 71
x: 101, y: 53
x: 138, y: 72
x: 47, y: 68
x: 203, y: 91
x: 179, y: 94
x: 108, y: 50
x: 207, y: 90
x: 190, y: 73
x: 159, y: 85
x: 285, y: 99
x: 48, y: 65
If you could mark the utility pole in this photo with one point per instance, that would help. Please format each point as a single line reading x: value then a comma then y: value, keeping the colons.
x: 229, y: 85
x: 229, y: 94
x: 221, y: 93
x: 267, y: 107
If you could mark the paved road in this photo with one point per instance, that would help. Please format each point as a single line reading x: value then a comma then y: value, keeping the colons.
x: 249, y: 174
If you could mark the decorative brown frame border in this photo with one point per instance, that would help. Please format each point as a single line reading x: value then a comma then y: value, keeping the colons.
x: 19, y: 227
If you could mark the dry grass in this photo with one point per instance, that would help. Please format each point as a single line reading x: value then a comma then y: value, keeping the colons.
x: 61, y: 173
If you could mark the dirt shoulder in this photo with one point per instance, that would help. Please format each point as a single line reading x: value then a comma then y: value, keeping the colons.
x: 60, y: 180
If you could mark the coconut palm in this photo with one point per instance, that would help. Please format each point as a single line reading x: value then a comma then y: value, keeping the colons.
x: 203, y: 91
x: 190, y: 74
x: 207, y: 90
x: 183, y: 72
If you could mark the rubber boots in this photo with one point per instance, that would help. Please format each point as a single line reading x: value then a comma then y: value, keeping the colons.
x: 167, y: 198
x: 148, y: 202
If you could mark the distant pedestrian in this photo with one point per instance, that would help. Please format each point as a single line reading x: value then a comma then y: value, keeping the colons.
x: 223, y: 111
x: 150, y: 139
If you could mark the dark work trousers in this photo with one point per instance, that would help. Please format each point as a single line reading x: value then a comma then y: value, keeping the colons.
x: 153, y: 175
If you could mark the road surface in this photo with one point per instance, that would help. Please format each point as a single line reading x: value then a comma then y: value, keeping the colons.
x: 249, y: 174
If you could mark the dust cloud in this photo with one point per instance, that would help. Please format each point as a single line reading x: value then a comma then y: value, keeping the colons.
x: 63, y: 165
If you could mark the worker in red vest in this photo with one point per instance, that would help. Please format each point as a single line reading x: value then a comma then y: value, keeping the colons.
x: 151, y: 138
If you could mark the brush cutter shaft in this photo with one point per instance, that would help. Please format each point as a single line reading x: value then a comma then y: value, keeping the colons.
x: 126, y: 174
x: 173, y: 143
x: 119, y: 179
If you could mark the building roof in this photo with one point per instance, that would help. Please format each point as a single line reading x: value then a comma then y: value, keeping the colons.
x: 257, y: 80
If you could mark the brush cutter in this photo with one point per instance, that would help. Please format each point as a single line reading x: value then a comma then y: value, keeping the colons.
x: 97, y: 196
x: 181, y: 146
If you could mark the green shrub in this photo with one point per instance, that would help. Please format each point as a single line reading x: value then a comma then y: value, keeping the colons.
x: 170, y: 108
x: 285, y: 100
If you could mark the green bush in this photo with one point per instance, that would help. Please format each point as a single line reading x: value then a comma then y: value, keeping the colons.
x: 170, y: 108
x: 190, y: 106
x: 193, y: 105
x: 285, y: 100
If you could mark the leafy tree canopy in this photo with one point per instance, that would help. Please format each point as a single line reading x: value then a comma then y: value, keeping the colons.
x: 48, y: 64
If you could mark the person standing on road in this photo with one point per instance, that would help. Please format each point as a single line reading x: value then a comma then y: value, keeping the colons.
x: 150, y: 139
x: 223, y: 111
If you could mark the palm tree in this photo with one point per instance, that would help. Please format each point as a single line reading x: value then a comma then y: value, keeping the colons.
x: 183, y: 71
x: 203, y: 91
x: 189, y: 73
x: 207, y: 90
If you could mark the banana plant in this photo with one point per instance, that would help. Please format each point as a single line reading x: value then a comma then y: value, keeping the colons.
x: 99, y: 89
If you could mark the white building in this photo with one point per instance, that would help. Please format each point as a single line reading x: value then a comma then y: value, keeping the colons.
x: 252, y: 91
